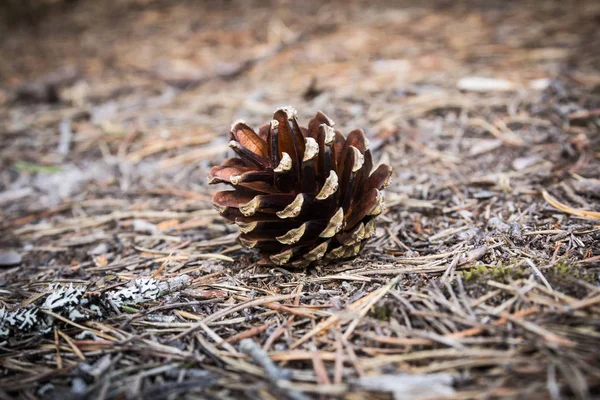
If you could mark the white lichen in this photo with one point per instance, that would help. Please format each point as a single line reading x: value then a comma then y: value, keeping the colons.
x: 71, y: 302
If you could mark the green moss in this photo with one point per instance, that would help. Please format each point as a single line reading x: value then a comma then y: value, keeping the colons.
x: 559, y: 273
x: 380, y: 313
x: 499, y: 272
x: 129, y: 309
x: 25, y: 166
x: 562, y: 276
x: 565, y: 270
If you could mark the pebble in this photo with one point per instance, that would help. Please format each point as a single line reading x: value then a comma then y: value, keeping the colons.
x: 525, y: 162
x: 469, y: 234
x: 484, y: 194
x: 78, y: 385
x: 498, y: 224
x: 484, y: 84
x: 102, y: 248
x: 143, y: 226
x: 10, y: 259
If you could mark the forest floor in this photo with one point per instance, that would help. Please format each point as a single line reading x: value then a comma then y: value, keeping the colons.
x: 482, y: 280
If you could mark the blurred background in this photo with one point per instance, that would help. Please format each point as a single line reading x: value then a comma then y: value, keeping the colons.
x: 122, y: 96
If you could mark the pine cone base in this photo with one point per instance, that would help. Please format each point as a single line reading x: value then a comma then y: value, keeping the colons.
x: 300, y: 195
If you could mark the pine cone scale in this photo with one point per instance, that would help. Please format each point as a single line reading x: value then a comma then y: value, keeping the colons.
x: 290, y: 136
x: 243, y: 134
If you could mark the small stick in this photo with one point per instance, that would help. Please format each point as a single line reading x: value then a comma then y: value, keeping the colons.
x: 250, y: 348
x: 75, y: 324
x: 272, y: 371
x: 338, y: 369
x: 319, y: 367
x: 352, y: 356
x: 75, y: 349
x: 249, y: 333
x: 59, y: 364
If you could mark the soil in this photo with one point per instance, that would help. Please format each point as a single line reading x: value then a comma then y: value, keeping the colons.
x: 482, y: 280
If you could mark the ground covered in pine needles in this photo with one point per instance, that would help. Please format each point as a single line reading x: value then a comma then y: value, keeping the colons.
x: 119, y: 280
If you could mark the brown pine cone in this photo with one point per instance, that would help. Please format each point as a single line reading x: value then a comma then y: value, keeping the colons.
x: 300, y: 195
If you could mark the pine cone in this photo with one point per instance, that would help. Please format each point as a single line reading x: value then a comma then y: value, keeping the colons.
x: 301, y: 195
